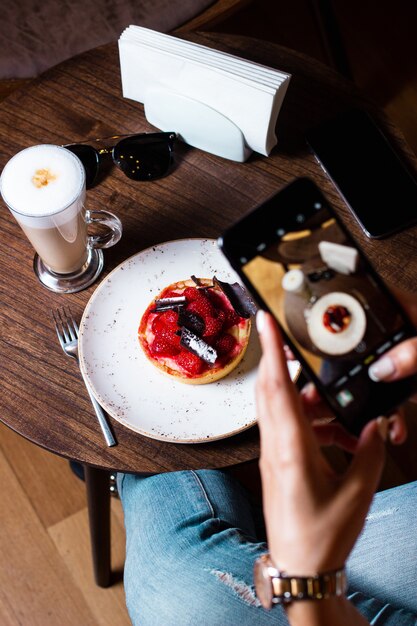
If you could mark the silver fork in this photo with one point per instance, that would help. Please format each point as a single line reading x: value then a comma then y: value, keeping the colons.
x: 67, y: 330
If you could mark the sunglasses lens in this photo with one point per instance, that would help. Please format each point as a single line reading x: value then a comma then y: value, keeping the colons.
x: 90, y: 160
x: 144, y: 157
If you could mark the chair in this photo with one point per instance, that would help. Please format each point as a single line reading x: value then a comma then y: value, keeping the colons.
x: 37, y: 35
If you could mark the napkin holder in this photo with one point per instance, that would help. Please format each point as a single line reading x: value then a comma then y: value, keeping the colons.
x: 196, y: 123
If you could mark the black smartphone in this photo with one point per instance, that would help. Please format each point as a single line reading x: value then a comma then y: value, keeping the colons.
x: 367, y: 171
x: 300, y: 263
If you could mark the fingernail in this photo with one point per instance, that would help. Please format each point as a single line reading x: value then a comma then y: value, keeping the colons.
x: 382, y: 369
x: 308, y: 389
x: 309, y: 392
x: 392, y: 430
x: 260, y: 320
x: 383, y: 427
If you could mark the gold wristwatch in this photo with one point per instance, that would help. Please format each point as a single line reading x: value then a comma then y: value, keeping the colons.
x: 275, y: 587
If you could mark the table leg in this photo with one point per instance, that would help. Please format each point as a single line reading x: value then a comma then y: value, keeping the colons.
x: 97, y: 483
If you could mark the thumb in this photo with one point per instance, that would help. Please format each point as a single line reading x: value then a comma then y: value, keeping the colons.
x: 399, y: 362
x: 366, y: 468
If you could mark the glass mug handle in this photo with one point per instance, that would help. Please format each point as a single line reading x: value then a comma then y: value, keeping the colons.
x: 113, y: 226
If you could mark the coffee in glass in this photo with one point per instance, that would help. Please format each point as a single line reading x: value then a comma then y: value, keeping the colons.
x: 44, y: 188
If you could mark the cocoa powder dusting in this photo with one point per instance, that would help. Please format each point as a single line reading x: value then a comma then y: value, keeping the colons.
x: 42, y: 178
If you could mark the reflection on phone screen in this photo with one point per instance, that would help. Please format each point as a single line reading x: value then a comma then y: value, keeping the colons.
x: 317, y: 284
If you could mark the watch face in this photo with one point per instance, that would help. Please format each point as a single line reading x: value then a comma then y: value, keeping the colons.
x: 263, y: 583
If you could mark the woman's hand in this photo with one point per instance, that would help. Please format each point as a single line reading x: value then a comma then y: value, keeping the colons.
x: 398, y: 363
x: 401, y: 361
x: 313, y: 516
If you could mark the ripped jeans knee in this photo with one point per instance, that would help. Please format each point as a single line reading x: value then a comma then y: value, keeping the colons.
x: 243, y: 591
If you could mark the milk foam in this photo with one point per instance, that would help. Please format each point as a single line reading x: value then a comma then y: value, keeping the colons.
x: 42, y: 180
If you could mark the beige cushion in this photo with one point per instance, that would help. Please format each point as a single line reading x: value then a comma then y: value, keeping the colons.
x: 37, y: 34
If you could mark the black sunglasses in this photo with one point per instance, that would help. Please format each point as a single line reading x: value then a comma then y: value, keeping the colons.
x: 141, y: 157
x: 326, y: 274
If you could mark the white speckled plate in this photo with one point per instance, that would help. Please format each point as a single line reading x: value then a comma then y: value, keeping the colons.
x: 127, y: 385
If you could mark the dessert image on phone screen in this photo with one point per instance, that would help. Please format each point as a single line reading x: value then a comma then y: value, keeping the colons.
x: 315, y: 282
x: 332, y: 308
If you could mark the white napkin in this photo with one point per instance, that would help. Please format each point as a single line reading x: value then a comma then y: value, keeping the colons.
x: 246, y: 94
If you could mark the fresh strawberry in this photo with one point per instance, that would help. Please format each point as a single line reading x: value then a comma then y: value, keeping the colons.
x: 225, y: 344
x: 202, y: 306
x: 165, y: 333
x: 157, y: 325
x: 221, y: 315
x: 190, y: 362
x: 223, y: 307
x: 213, y: 326
x: 171, y: 293
x: 231, y: 319
x: 167, y: 319
x: 161, y: 347
x: 171, y: 337
x: 170, y: 318
x: 191, y: 293
x: 216, y: 299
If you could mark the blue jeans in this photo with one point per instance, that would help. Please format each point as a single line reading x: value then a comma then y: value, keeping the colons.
x: 193, y: 536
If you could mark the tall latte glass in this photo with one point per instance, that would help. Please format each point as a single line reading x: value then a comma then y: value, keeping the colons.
x: 44, y: 188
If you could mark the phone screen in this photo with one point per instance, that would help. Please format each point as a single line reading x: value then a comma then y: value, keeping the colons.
x: 367, y: 171
x: 301, y: 264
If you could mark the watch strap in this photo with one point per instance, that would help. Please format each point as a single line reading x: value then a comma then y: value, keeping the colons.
x: 286, y: 588
x: 290, y: 588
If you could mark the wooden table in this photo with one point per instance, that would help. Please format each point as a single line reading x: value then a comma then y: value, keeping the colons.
x: 41, y: 393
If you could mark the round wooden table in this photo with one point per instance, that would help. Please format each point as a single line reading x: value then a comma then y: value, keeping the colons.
x: 42, y: 396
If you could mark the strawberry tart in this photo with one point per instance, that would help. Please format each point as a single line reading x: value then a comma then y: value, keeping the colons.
x: 193, y: 333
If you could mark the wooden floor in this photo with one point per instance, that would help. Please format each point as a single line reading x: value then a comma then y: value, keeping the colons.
x: 45, y: 573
